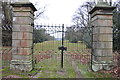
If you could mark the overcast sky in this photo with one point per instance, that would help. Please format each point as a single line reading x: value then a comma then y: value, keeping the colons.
x: 58, y: 11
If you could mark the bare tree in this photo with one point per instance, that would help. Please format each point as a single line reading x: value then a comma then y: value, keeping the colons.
x: 40, y: 11
x: 81, y: 20
x: 6, y: 24
x: 7, y: 11
x: 81, y: 17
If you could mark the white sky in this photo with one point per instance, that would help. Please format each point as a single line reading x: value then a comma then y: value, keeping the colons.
x: 58, y: 11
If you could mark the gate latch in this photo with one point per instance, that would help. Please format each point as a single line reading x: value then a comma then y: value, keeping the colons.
x: 62, y: 48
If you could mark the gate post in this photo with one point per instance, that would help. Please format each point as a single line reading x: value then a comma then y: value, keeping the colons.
x: 23, y: 17
x: 101, y: 20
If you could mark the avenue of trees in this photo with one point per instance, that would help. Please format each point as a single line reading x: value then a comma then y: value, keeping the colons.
x: 82, y: 30
x: 40, y: 35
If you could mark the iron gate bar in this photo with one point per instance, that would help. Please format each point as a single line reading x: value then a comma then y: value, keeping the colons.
x: 92, y: 50
x: 62, y: 45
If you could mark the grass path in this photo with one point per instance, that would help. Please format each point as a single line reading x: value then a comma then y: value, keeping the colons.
x: 76, y: 69
x: 51, y: 68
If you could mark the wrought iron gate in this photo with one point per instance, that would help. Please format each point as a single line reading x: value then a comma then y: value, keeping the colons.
x: 61, y: 39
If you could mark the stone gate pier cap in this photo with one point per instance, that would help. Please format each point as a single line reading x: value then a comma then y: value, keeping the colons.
x: 14, y: 1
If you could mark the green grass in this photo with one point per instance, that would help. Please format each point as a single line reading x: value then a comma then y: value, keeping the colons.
x: 6, y: 72
x: 84, y: 69
x: 50, y: 68
x: 53, y: 46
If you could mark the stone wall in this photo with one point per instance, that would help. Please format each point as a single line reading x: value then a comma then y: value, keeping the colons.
x: 22, y: 40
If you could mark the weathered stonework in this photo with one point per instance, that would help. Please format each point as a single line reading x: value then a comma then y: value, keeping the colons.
x: 101, y: 20
x: 23, y: 17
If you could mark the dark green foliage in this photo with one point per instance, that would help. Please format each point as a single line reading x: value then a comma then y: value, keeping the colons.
x: 87, y: 37
x: 7, y: 38
x: 74, y: 35
x: 116, y: 30
x: 7, y: 23
x: 41, y: 35
x: 74, y: 40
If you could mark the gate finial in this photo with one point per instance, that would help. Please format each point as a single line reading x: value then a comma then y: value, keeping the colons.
x: 101, y: 0
x: 21, y: 1
x: 102, y: 3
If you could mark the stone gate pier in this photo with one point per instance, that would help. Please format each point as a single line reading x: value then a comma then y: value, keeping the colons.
x: 23, y: 17
x: 101, y: 20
